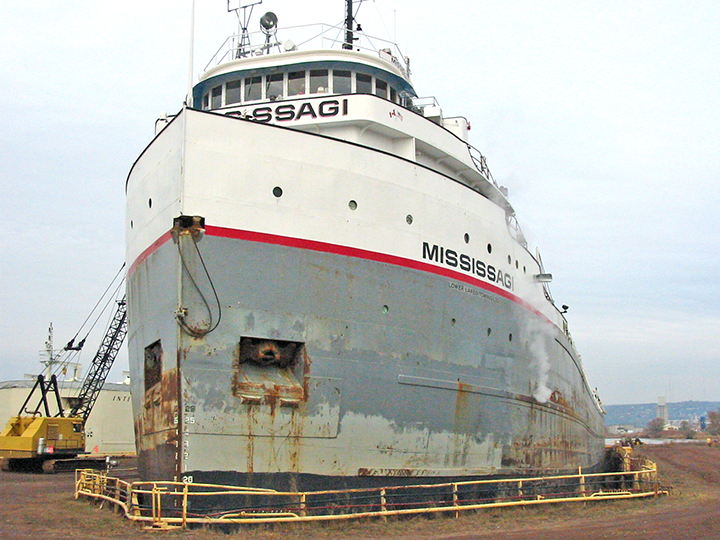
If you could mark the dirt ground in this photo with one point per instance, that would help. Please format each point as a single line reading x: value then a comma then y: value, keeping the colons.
x: 42, y: 507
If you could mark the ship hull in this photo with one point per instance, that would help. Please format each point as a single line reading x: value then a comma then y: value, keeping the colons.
x: 270, y: 350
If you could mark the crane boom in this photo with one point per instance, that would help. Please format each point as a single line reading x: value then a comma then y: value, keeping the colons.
x: 101, y: 364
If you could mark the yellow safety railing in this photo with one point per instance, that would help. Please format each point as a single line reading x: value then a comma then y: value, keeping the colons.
x: 165, y: 504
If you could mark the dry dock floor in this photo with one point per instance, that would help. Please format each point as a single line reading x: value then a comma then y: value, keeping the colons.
x: 42, y: 507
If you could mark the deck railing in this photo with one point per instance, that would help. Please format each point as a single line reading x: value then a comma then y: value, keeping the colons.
x: 307, y: 36
x: 165, y: 504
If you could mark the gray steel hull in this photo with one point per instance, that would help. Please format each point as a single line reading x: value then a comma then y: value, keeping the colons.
x: 396, y: 394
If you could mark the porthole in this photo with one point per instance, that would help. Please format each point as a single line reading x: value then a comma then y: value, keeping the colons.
x: 149, y: 203
x: 352, y: 205
x: 467, y: 238
x: 409, y: 219
x: 510, y: 337
x: 524, y: 270
x: 489, y: 248
x: 385, y: 309
x: 517, y: 265
x: 277, y: 191
x: 131, y: 224
x: 509, y: 259
x: 489, y: 331
x: 452, y: 322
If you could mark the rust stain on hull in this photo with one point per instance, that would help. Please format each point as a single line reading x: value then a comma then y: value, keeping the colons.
x: 269, y: 376
x: 158, y: 429
x: 464, y: 424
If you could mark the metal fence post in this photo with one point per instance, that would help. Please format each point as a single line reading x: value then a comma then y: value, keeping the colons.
x: 455, y: 500
x: 184, y: 506
x: 303, y: 504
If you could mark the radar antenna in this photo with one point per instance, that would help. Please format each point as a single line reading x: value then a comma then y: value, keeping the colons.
x: 243, y: 48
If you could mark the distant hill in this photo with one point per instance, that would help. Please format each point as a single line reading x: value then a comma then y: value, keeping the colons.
x: 640, y: 414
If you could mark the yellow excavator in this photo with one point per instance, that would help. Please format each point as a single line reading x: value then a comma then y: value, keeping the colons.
x: 37, y: 438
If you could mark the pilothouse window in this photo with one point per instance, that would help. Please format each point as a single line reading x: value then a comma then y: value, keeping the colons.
x: 380, y: 88
x: 216, y: 99
x: 232, y: 92
x: 342, y: 81
x: 364, y: 84
x: 318, y: 81
x: 274, y: 87
x: 296, y: 83
x: 253, y: 89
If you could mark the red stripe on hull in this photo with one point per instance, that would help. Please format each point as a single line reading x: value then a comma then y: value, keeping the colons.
x: 324, y: 247
x: 149, y: 251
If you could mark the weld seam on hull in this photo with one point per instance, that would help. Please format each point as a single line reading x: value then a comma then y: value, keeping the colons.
x: 487, y: 391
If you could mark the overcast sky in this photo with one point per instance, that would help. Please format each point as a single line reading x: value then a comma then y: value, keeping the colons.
x: 601, y: 118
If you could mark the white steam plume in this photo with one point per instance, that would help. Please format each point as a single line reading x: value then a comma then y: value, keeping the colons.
x: 538, y: 333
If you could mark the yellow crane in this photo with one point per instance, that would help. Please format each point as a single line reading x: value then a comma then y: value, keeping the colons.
x: 35, y: 436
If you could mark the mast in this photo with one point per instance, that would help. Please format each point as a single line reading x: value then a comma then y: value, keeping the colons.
x: 189, y: 102
x: 348, y: 45
x: 50, y: 351
x: 243, y: 47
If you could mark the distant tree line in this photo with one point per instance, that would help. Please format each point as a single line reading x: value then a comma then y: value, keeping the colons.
x: 656, y: 426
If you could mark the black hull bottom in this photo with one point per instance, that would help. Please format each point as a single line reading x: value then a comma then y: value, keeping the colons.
x: 334, y: 494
